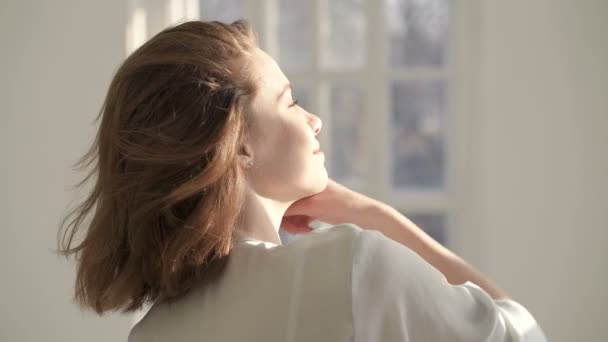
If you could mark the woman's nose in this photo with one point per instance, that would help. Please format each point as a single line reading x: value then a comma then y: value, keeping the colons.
x: 316, y: 124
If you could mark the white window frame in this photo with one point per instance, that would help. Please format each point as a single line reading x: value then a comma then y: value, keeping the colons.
x: 459, y: 198
x: 461, y: 54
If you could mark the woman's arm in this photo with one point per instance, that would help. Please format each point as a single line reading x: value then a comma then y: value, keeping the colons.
x: 373, y: 214
x: 339, y: 204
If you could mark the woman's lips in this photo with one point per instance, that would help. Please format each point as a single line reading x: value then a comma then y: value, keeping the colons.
x: 318, y: 152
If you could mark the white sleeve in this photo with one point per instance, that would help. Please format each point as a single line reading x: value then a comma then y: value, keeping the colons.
x: 398, y: 296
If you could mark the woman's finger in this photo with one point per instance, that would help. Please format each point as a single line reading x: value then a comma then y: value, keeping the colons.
x: 296, y: 224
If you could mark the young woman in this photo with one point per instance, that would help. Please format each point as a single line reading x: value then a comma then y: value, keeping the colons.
x: 201, y: 155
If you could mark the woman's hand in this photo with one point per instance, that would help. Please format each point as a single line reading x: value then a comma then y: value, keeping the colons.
x: 335, y: 204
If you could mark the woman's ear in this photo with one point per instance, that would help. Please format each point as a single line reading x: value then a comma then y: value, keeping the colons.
x: 245, y: 156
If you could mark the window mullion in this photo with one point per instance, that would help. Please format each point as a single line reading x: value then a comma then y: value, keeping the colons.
x: 378, y: 111
x: 262, y: 19
x: 320, y: 100
x: 463, y: 61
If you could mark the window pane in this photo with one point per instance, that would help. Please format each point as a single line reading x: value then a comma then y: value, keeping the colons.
x: 416, y: 32
x: 343, y: 29
x: 347, y: 158
x: 432, y: 224
x: 418, y: 110
x: 294, y: 40
x: 221, y: 10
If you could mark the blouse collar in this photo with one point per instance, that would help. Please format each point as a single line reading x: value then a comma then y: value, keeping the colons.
x: 254, y: 242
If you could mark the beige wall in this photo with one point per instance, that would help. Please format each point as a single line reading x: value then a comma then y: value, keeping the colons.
x: 542, y: 147
x: 57, y: 60
x: 538, y: 161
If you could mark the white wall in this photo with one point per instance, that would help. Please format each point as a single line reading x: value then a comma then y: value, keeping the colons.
x: 57, y: 60
x: 542, y: 159
x: 538, y: 158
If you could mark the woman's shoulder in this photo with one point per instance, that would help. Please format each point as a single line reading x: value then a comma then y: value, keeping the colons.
x: 333, y: 237
x: 338, y: 231
x: 390, y: 278
x: 356, y: 247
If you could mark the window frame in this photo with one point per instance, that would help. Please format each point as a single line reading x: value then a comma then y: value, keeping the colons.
x: 459, y: 198
x: 375, y: 78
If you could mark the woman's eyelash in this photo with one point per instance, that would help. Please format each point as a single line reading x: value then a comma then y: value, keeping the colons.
x: 294, y: 103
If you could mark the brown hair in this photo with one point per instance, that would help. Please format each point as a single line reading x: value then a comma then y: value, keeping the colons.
x: 168, y: 189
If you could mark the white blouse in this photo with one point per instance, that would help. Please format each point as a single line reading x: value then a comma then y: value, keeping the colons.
x: 340, y: 283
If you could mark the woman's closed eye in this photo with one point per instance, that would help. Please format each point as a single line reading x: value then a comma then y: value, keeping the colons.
x: 294, y: 103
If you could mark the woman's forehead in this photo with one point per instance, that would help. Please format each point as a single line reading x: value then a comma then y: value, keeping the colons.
x: 267, y: 74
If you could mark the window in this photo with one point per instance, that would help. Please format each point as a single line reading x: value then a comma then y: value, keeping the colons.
x: 378, y: 73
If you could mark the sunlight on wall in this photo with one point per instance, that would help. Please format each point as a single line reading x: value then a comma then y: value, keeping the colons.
x: 146, y: 18
x: 136, y: 31
x: 182, y: 10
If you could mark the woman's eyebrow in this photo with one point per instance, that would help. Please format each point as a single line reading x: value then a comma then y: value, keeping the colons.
x: 288, y: 86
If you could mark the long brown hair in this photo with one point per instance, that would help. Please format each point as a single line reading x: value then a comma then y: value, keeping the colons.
x: 168, y: 188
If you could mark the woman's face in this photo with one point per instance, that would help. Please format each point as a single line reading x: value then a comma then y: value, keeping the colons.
x: 281, y: 141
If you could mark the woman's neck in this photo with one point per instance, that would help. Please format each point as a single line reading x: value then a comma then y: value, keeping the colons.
x: 260, y: 219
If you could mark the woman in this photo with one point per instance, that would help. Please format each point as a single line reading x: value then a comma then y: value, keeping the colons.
x: 201, y: 155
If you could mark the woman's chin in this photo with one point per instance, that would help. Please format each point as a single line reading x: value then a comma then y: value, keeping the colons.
x: 312, y: 185
x: 322, y: 181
